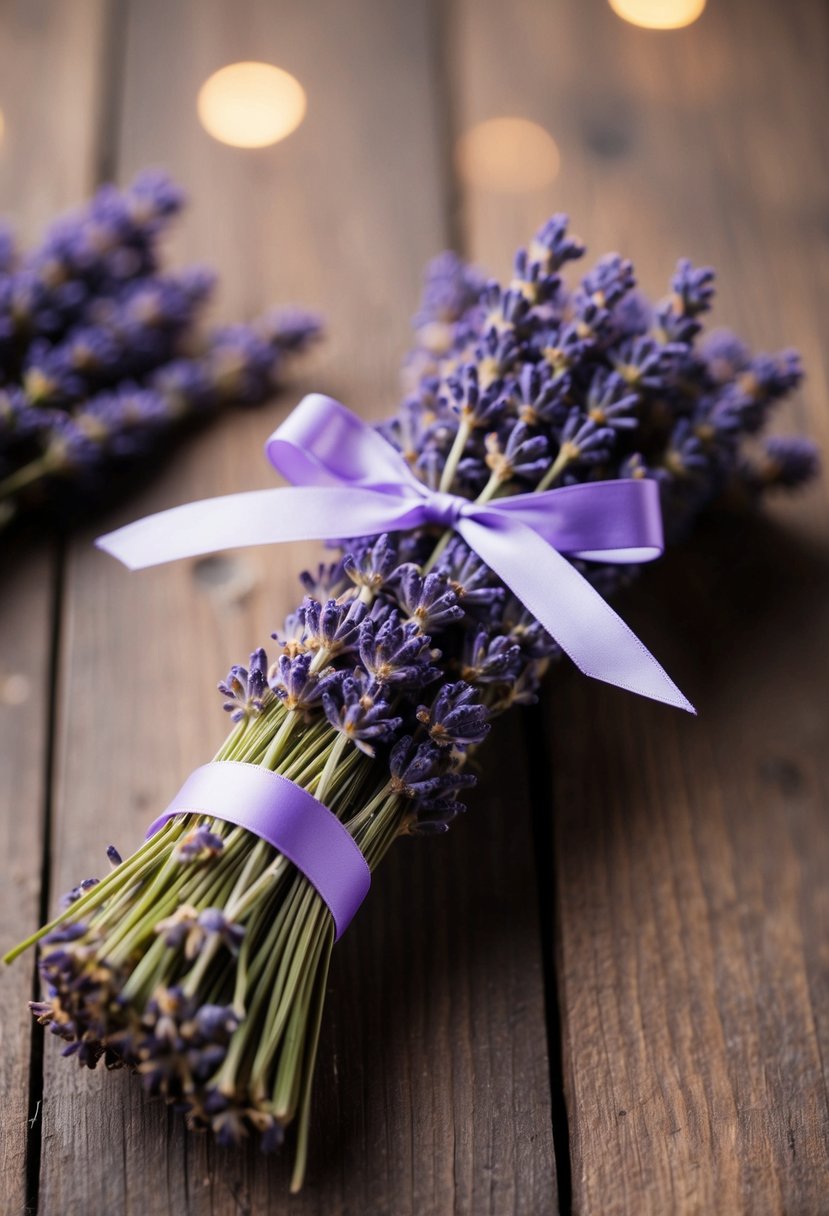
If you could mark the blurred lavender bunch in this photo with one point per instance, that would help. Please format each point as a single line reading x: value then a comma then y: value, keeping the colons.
x: 202, y: 960
x: 100, y: 354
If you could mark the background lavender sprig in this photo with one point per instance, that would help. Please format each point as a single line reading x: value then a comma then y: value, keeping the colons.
x: 101, y: 354
x: 202, y: 960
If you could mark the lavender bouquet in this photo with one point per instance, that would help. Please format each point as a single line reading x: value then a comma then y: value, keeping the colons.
x: 100, y: 358
x: 201, y: 961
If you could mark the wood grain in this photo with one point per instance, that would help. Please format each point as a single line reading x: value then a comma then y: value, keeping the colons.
x: 691, y: 856
x: 433, y: 1093
x: 24, y: 688
x: 45, y: 165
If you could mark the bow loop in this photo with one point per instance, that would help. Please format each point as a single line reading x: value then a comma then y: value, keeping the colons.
x: 348, y: 481
x: 322, y: 443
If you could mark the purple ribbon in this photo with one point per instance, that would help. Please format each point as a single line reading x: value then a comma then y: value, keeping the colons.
x: 289, y: 818
x: 350, y: 482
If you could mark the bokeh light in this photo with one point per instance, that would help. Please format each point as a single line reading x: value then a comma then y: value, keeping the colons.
x: 507, y: 155
x: 658, y: 14
x: 15, y: 689
x: 251, y: 105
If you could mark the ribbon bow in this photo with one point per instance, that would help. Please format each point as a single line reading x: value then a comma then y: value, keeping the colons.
x: 349, y: 481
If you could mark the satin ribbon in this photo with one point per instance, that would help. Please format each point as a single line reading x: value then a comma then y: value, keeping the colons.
x: 349, y: 481
x: 289, y: 818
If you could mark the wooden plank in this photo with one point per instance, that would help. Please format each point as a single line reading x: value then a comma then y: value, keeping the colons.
x: 691, y: 856
x: 49, y: 146
x: 24, y: 688
x: 45, y: 165
x: 432, y: 1087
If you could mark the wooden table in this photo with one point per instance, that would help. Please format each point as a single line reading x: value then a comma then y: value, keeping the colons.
x: 607, y: 990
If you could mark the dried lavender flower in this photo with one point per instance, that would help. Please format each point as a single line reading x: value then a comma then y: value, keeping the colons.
x: 456, y: 717
x: 402, y: 651
x: 102, y: 350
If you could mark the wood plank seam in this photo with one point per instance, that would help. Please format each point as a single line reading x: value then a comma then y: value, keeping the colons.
x: 34, y: 1129
x: 543, y: 808
x: 445, y: 20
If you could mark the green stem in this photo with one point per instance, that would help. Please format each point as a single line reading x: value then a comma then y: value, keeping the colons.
x: 283, y: 734
x: 20, y: 478
x: 287, y: 1087
x: 321, y: 789
x: 457, y: 450
x: 555, y: 470
x: 365, y: 815
x: 447, y: 478
x: 118, y: 879
x: 315, y: 1024
x: 272, y: 875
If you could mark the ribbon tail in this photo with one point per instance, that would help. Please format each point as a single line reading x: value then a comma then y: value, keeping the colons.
x: 259, y: 517
x: 570, y: 609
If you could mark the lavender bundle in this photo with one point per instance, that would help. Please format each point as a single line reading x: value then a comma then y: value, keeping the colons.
x: 100, y: 358
x: 201, y: 961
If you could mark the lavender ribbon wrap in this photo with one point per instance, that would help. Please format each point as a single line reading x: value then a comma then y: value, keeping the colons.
x: 349, y: 481
x: 288, y: 817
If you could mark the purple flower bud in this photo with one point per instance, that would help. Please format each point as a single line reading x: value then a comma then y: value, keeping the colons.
x: 476, y: 408
x: 396, y: 653
x: 358, y: 708
x: 75, y: 894
x: 488, y: 659
x: 216, y: 1022
x: 537, y: 396
x: 610, y: 279
x: 473, y: 583
x: 610, y: 403
x: 199, y: 844
x: 290, y: 330
x: 424, y: 772
x: 70, y: 931
x: 456, y: 717
x: 295, y: 684
x: 247, y: 688
x: 371, y: 566
x: 725, y: 354
x: 552, y: 246
x: 328, y: 580
x: 524, y: 455
x: 790, y: 461
x: 215, y: 924
x: 450, y: 289
x: 586, y: 442
x: 429, y: 601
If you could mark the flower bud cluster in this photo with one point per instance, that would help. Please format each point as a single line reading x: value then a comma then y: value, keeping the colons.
x: 101, y: 356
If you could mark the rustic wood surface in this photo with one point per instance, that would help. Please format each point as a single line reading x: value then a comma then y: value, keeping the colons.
x: 690, y: 858
x: 46, y: 162
x: 673, y: 963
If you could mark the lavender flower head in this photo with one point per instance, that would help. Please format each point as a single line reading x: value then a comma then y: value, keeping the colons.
x: 103, y: 356
x: 509, y: 389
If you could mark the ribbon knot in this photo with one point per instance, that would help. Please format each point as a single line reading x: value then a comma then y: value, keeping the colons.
x: 349, y: 481
x: 444, y: 509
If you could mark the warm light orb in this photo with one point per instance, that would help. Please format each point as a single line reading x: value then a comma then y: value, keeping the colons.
x: 15, y: 689
x: 251, y: 105
x: 2, y: 126
x: 658, y: 14
x: 508, y: 155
